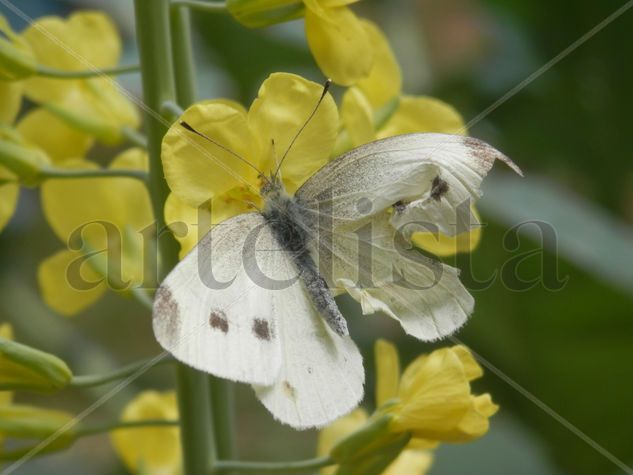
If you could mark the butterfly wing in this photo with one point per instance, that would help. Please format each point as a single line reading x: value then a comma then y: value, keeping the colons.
x: 369, y: 201
x: 212, y: 315
x: 260, y: 327
x: 321, y: 376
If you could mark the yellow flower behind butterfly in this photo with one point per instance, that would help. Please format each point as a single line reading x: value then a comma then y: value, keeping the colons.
x: 431, y: 401
x: 375, y: 108
x: 335, y: 35
x: 85, y: 41
x: 151, y: 450
x: 203, y: 175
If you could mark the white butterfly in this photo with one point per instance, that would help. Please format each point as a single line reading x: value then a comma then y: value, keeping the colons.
x: 253, y: 302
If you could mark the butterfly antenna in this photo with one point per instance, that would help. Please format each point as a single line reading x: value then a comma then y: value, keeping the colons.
x: 326, y: 88
x: 188, y: 127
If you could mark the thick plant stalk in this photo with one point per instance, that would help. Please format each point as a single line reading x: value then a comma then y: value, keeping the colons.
x: 220, y: 391
x: 154, y: 43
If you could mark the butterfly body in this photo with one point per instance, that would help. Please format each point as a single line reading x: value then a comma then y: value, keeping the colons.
x: 294, y: 227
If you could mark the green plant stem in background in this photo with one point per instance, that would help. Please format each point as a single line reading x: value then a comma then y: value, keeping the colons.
x: 212, y: 7
x: 309, y: 465
x: 61, y: 74
x: 66, y: 173
x: 154, y: 43
x: 171, y: 110
x: 219, y: 391
x: 118, y: 425
x: 120, y: 373
x: 134, y: 137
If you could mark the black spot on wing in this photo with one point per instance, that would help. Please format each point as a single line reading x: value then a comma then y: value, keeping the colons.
x: 439, y: 188
x: 261, y: 329
x: 218, y: 321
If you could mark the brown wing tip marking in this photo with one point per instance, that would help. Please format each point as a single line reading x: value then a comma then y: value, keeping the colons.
x: 486, y: 154
x: 218, y: 321
x: 166, y: 313
x: 262, y: 330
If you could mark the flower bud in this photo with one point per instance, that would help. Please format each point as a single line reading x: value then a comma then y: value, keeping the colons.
x: 16, y: 59
x: 26, y: 162
x: 34, y: 423
x: 23, y: 367
x: 260, y: 13
x: 364, y: 440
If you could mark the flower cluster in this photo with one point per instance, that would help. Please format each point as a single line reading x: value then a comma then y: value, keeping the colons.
x: 430, y: 403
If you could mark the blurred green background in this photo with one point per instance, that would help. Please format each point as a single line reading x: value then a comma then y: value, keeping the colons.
x: 554, y: 314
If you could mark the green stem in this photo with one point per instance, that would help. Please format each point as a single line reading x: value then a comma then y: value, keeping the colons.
x: 154, y: 42
x: 117, y: 425
x: 272, y: 467
x: 212, y: 7
x: 223, y: 413
x: 152, y: 20
x: 49, y: 72
x: 134, y: 137
x: 220, y: 398
x: 121, y: 373
x: 172, y: 110
x: 69, y: 173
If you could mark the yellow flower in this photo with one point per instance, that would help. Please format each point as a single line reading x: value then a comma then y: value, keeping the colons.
x: 200, y: 173
x: 375, y: 108
x: 85, y: 41
x: 430, y: 403
x: 43, y: 129
x: 110, y: 214
x: 433, y: 400
x: 152, y: 450
x: 336, y: 37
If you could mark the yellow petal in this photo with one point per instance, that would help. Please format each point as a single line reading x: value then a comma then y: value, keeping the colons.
x: 86, y: 40
x: 339, y: 43
x: 410, y: 462
x: 196, y: 169
x: 44, y: 130
x: 434, y: 394
x: 358, y: 117
x: 475, y: 422
x: 70, y: 204
x: 337, y: 431
x: 470, y: 365
x: 423, y: 114
x: 442, y: 245
x: 8, y: 197
x: 155, y: 450
x: 385, y: 79
x: 387, y: 371
x: 184, y: 221
x: 190, y: 224
x: 283, y: 105
x: 62, y: 289
x: 98, y: 107
x: 335, y: 3
x: 10, y: 100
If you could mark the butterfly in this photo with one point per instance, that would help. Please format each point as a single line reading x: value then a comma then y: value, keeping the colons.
x: 253, y: 302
